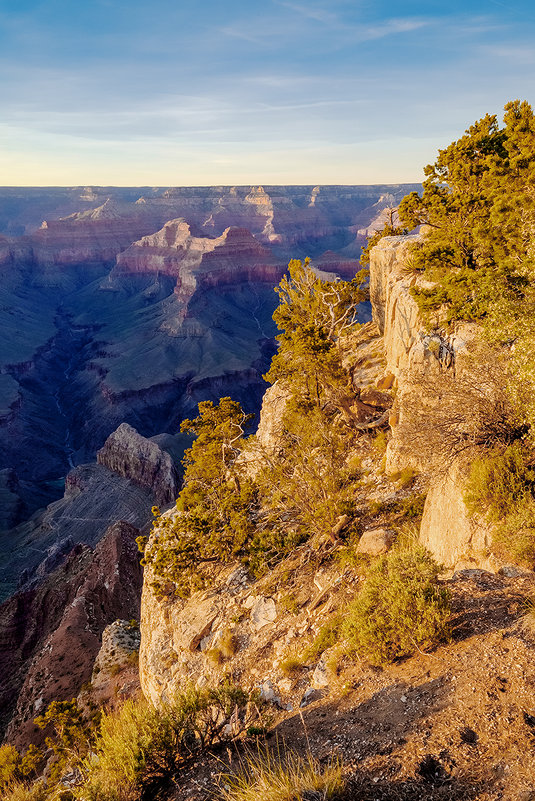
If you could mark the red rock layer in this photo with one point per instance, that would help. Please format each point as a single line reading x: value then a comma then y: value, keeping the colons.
x: 50, y: 635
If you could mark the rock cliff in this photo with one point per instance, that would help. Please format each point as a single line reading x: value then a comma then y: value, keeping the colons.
x: 429, y: 370
x: 50, y: 635
x: 132, y: 475
x: 141, y: 460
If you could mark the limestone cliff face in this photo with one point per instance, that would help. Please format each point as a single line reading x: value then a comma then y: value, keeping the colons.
x: 421, y: 365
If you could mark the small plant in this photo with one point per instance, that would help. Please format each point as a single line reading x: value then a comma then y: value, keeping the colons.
x: 404, y: 478
x: 328, y: 635
x: 22, y: 791
x: 291, y: 665
x: 412, y: 507
x: 256, y: 731
x: 290, y: 777
x: 289, y: 603
x: 215, y: 656
x: 228, y: 644
x: 400, y: 609
x: 380, y: 441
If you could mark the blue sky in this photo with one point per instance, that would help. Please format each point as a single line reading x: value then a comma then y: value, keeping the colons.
x: 176, y: 92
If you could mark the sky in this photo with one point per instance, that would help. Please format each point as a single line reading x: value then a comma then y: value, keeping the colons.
x: 184, y: 93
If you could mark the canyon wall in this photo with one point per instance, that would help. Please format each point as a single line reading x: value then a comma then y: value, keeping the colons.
x: 427, y: 366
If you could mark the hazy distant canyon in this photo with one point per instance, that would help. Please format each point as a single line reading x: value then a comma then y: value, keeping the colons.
x: 130, y: 305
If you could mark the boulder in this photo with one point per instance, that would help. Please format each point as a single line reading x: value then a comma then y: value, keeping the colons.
x: 376, y: 541
x: 263, y: 612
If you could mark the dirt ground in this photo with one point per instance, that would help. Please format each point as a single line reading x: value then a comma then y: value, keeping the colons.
x: 457, y: 723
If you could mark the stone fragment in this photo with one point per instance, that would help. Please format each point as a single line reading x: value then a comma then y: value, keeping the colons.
x: 374, y: 397
x: 513, y: 571
x: 193, y: 623
x: 376, y: 541
x: 385, y: 383
x: 263, y: 612
x: 285, y: 685
x: 311, y: 695
x: 268, y: 694
x: 320, y: 677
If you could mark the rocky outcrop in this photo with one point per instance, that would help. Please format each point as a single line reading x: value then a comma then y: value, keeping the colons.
x: 198, y: 263
x: 425, y: 367
x: 142, y: 461
x: 50, y: 635
x: 132, y: 475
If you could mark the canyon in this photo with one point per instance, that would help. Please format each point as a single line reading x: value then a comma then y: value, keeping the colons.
x: 131, y: 305
x: 120, y: 310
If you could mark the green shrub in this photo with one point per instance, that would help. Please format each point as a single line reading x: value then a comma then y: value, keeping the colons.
x: 500, y: 481
x: 269, y: 777
x: 22, y: 791
x: 70, y: 735
x: 327, y: 636
x: 516, y: 532
x: 400, y: 609
x: 140, y: 750
x: 16, y: 767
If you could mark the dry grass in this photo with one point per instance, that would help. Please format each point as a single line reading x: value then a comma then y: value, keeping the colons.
x: 527, y: 622
x: 292, y: 665
x: 228, y: 644
x: 271, y: 777
x: 22, y: 791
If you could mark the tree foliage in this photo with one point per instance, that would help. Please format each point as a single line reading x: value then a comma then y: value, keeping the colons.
x: 214, y: 519
x: 313, y: 315
x: 478, y: 202
x: 223, y: 513
x: 307, y: 485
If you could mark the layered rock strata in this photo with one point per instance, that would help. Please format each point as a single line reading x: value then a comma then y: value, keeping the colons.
x: 50, y: 635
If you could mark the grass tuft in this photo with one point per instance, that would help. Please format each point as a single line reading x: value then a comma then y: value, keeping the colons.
x: 272, y: 777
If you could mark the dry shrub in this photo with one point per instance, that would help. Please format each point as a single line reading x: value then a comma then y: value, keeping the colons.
x: 23, y: 791
x: 140, y: 749
x: 461, y: 414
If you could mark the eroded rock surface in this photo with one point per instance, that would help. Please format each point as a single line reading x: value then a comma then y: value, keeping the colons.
x: 50, y: 635
x: 141, y: 460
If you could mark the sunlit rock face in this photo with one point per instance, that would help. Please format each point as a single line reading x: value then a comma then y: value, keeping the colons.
x: 438, y: 361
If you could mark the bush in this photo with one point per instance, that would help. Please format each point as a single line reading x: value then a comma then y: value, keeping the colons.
x: 500, y: 481
x: 269, y: 777
x: 140, y: 750
x: 400, y: 609
x: 21, y: 791
x: 14, y: 767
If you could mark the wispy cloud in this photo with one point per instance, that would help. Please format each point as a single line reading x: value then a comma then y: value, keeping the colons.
x: 389, y: 27
x: 315, y: 13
